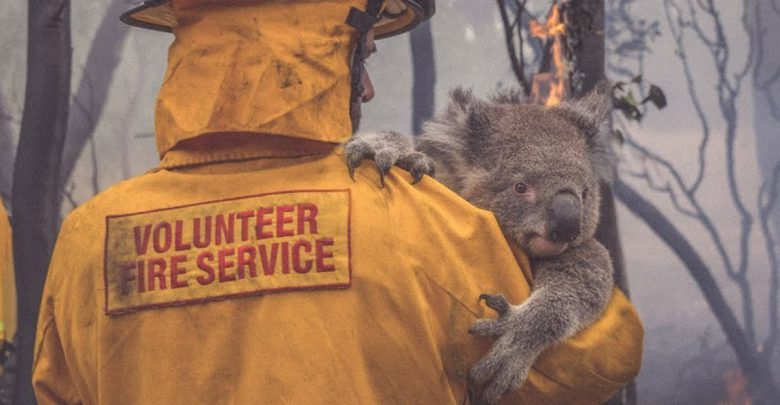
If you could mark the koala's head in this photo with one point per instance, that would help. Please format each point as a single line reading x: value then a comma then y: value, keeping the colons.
x: 537, y: 168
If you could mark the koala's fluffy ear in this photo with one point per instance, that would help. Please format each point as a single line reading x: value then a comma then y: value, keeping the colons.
x: 453, y: 134
x: 590, y: 112
x: 511, y: 95
x: 465, y: 118
x: 467, y: 109
x: 476, y: 127
x: 590, y: 115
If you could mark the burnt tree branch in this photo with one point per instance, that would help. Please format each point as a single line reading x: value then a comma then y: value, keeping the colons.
x: 515, y: 53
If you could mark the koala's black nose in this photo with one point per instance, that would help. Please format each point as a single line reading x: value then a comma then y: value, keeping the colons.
x: 564, y: 217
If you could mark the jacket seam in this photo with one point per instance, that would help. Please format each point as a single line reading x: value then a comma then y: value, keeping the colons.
x: 44, y: 335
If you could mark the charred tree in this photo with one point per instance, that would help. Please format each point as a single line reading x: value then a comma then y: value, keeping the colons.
x: 36, y: 174
x: 424, y: 71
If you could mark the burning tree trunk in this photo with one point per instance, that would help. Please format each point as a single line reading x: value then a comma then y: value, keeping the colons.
x: 36, y: 174
x: 424, y: 75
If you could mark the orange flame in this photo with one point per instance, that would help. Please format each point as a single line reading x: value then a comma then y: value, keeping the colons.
x: 736, y: 388
x: 556, y: 82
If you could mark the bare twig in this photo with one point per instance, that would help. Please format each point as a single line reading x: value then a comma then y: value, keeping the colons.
x: 677, y: 34
x: 68, y: 193
x: 515, y: 54
x: 94, y: 161
x: 694, y: 24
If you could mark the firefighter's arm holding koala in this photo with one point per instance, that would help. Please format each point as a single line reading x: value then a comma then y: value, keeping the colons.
x: 562, y: 303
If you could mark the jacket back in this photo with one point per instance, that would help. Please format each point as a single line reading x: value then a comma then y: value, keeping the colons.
x: 283, y: 281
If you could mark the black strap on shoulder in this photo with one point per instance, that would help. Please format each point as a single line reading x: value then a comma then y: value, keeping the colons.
x: 362, y: 21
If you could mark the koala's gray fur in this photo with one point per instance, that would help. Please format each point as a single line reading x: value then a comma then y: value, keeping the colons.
x: 484, y: 150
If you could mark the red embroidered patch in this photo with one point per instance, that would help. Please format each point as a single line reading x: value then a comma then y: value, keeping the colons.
x: 284, y: 241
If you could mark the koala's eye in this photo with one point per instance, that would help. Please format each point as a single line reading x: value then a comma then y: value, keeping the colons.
x: 521, y: 188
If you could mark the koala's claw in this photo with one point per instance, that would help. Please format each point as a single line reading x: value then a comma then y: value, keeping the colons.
x: 505, y: 367
x: 418, y: 171
x: 417, y: 164
x: 501, y: 371
x: 351, y: 170
x: 356, y: 152
x: 497, y: 302
x: 417, y: 175
x: 384, y: 161
x: 388, y: 149
x: 492, y: 327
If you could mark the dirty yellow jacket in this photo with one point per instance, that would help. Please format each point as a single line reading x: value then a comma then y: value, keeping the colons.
x: 7, y: 280
x: 280, y: 280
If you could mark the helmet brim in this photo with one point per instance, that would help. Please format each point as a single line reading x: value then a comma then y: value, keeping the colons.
x: 158, y: 15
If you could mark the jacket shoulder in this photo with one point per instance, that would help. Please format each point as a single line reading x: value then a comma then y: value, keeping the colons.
x: 127, y: 195
x: 455, y: 245
x: 84, y: 228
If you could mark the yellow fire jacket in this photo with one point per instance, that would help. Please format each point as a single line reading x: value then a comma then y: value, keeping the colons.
x: 282, y: 281
x: 249, y: 268
x: 7, y: 279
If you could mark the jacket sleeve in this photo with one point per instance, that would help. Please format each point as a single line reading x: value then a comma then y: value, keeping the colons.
x: 52, y: 377
x: 7, y: 280
x: 593, y: 365
x: 52, y: 380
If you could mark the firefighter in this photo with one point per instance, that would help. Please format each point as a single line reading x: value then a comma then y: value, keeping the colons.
x: 249, y: 268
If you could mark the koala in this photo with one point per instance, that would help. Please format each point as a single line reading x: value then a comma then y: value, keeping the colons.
x: 538, y: 169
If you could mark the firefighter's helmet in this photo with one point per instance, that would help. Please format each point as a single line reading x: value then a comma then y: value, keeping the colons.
x: 397, y: 16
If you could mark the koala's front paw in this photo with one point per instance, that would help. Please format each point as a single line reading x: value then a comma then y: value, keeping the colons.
x: 387, y: 149
x: 505, y: 367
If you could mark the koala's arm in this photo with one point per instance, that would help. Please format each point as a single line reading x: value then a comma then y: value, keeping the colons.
x: 570, y: 292
x: 387, y: 149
